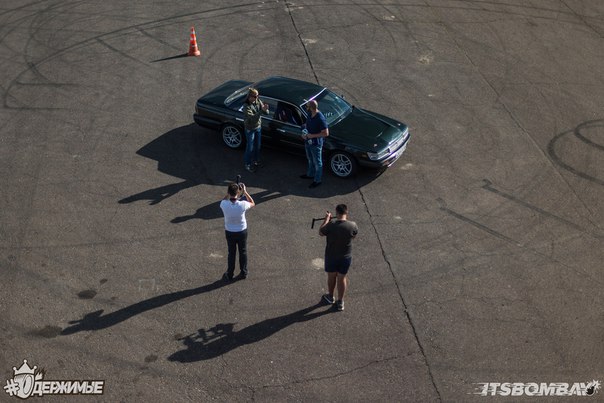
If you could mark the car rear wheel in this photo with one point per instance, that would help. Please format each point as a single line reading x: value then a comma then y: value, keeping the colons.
x: 342, y: 164
x: 232, y: 136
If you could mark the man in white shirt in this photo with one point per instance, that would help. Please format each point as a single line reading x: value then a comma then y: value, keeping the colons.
x: 235, y: 227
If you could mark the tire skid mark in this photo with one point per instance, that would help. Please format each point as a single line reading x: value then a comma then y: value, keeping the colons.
x: 86, y: 42
x: 119, y: 52
x: 28, y: 205
x: 479, y: 8
x: 488, y: 185
x: 476, y: 224
x: 35, y: 26
x: 591, y: 123
x: 12, y: 10
x: 551, y: 150
x: 155, y: 38
x: 579, y: 271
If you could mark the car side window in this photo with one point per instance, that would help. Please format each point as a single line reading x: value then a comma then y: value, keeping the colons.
x: 272, y: 105
x: 287, y: 113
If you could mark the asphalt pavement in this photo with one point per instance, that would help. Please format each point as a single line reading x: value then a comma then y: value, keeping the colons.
x: 479, y: 257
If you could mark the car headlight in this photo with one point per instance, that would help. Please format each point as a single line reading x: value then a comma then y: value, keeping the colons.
x: 379, y: 155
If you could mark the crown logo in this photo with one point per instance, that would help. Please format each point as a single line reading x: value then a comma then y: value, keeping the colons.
x: 24, y: 369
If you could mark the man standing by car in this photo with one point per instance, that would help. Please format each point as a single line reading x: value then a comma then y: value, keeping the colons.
x: 316, y: 125
x: 235, y: 227
x: 338, y: 252
x: 252, y: 109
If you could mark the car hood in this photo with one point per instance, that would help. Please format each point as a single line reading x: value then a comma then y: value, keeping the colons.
x: 367, y: 131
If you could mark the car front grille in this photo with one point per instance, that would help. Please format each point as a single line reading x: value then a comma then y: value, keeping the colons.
x: 395, y: 145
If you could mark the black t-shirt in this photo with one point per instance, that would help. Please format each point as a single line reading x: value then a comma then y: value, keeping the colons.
x: 339, y: 238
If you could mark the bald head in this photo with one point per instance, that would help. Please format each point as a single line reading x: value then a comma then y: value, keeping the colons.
x: 313, y: 105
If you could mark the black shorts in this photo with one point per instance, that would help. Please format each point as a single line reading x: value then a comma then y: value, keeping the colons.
x: 338, y: 265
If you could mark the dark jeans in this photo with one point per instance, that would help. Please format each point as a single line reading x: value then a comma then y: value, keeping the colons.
x: 315, y: 161
x: 252, y: 147
x: 237, y: 240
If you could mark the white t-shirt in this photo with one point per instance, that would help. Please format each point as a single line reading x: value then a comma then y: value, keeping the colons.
x: 234, y: 214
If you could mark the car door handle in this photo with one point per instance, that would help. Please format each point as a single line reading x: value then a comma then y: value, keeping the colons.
x: 239, y: 119
x: 281, y: 130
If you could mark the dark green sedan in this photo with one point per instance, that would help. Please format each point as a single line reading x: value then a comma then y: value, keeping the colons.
x: 356, y: 137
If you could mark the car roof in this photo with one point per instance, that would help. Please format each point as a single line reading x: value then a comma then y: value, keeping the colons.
x: 291, y: 90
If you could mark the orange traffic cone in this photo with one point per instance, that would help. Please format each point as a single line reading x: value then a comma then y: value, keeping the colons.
x: 193, y: 49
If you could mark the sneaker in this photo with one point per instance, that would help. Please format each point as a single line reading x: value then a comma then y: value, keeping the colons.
x: 305, y: 177
x: 329, y: 299
x: 227, y: 278
x: 258, y: 164
x: 250, y: 168
x: 340, y: 305
x: 242, y: 276
x: 314, y: 185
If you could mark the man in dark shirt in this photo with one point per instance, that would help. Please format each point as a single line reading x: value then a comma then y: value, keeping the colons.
x: 316, y: 125
x: 338, y: 252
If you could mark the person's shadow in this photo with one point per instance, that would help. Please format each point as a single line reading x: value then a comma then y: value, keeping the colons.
x: 220, y: 339
x: 178, y: 153
x: 97, y: 321
x: 197, y: 156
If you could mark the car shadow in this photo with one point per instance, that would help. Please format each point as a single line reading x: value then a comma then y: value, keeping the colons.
x: 97, y: 321
x: 220, y: 339
x: 197, y: 156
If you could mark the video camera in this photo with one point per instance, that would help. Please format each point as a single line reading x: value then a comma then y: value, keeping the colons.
x: 241, y: 186
x: 314, y: 220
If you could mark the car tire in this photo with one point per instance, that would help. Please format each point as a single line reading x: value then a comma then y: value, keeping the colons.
x: 342, y: 164
x: 232, y: 136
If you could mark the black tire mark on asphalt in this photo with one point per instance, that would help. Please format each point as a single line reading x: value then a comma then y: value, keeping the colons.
x: 217, y: 9
x: 551, y: 150
x: 470, y: 9
x: 488, y: 186
x: 155, y: 38
x: 476, y: 224
x: 119, y: 52
x: 22, y: 7
x: 592, y: 123
x: 37, y: 22
x: 583, y: 19
x: 86, y: 42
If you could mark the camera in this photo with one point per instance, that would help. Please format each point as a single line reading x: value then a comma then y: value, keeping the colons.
x: 314, y: 220
x: 239, y: 183
x: 241, y: 186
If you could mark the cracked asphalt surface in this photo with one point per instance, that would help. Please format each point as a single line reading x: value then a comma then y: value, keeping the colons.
x: 480, y: 251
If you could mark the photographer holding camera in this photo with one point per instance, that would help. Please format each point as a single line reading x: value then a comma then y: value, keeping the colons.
x: 235, y: 227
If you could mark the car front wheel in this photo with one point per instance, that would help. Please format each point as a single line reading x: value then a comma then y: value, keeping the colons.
x: 232, y: 136
x: 342, y: 164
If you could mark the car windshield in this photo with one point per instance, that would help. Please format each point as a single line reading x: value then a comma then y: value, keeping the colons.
x: 333, y: 107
